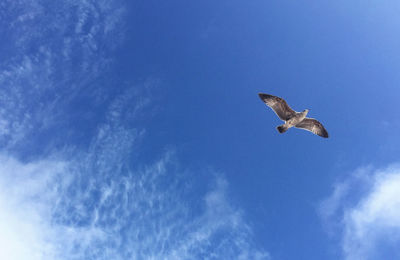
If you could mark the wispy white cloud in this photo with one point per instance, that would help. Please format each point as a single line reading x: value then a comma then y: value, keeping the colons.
x: 102, y: 204
x: 26, y: 197
x: 52, y: 51
x: 219, y: 218
x: 62, y: 210
x: 29, y: 196
x: 97, y: 202
x: 365, y: 210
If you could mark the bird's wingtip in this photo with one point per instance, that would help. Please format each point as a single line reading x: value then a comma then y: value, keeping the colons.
x: 262, y: 95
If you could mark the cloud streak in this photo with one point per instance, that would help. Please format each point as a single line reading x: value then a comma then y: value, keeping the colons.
x: 88, y: 197
x: 101, y: 204
x: 51, y: 56
x: 62, y: 210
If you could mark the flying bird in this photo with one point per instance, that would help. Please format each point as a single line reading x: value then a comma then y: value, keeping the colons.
x: 291, y: 117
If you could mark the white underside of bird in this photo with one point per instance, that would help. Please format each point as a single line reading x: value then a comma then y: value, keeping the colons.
x: 295, y: 120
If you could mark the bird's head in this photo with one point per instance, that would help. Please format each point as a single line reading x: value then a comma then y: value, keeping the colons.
x: 306, y: 111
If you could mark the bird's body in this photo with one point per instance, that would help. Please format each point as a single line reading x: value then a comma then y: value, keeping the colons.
x: 293, y: 121
x: 291, y: 117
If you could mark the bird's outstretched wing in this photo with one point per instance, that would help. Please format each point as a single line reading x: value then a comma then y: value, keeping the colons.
x: 313, y: 126
x: 279, y: 105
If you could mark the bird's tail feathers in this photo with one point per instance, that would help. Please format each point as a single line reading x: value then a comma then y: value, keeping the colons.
x: 282, y: 128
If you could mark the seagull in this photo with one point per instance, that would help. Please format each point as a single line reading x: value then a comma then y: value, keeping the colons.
x: 291, y: 117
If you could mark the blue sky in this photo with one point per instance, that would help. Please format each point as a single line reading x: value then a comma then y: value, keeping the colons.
x: 133, y: 130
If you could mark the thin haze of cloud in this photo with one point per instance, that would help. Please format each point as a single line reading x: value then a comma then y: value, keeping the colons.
x: 94, y: 204
x: 366, y: 210
x: 97, y: 205
x: 58, y: 55
x: 79, y: 209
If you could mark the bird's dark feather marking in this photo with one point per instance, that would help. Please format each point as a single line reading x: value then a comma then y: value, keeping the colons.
x: 313, y: 126
x: 279, y: 105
